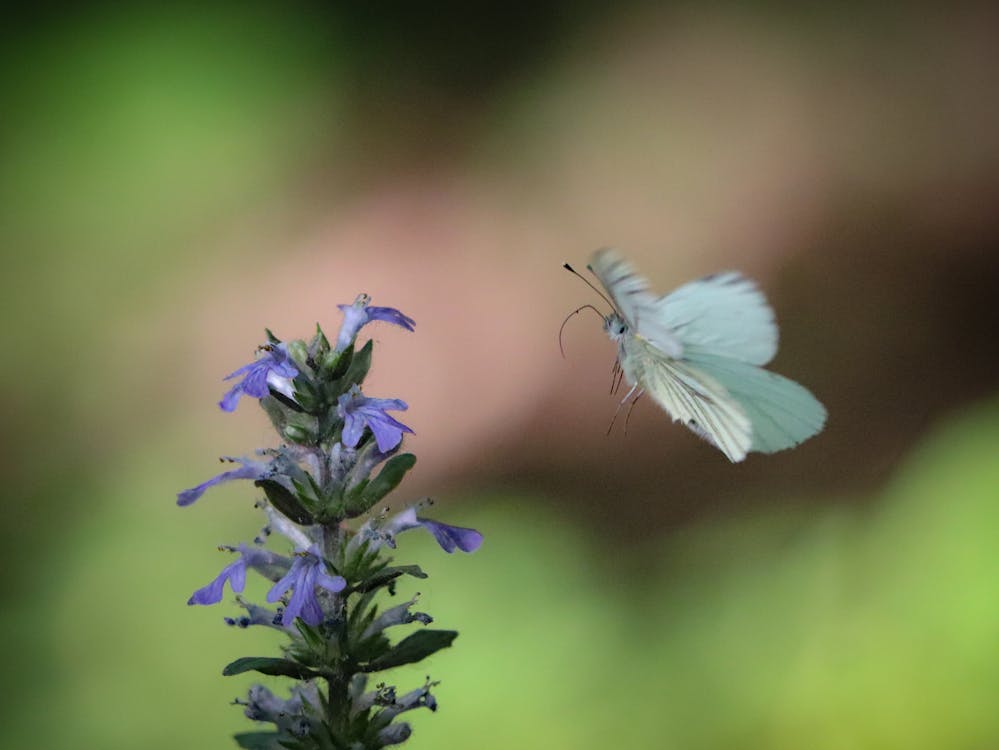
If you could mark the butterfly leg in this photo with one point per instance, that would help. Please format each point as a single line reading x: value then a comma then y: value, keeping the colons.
x: 617, y: 375
x: 622, y: 403
x: 631, y: 409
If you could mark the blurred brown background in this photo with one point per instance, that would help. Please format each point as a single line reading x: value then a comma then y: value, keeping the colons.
x: 175, y: 180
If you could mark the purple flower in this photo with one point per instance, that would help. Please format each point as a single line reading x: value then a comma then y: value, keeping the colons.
x: 248, y: 470
x: 448, y: 537
x: 359, y: 314
x: 275, y: 369
x: 358, y: 412
x: 307, y: 572
x: 235, y: 573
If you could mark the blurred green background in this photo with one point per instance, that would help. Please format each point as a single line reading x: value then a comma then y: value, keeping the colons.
x: 174, y: 180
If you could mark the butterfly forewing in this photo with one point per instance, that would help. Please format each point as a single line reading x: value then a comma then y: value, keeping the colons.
x: 725, y: 313
x: 626, y: 288
x: 636, y: 305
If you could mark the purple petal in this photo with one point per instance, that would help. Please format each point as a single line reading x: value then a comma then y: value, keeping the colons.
x: 333, y: 584
x: 448, y: 537
x: 231, y: 398
x: 451, y: 537
x: 382, y: 404
x: 242, y: 370
x: 391, y: 315
x: 402, y: 522
x: 358, y: 411
x: 387, y: 431
x: 353, y: 428
x: 210, y: 594
x: 307, y: 572
x: 235, y: 573
x: 276, y: 361
x: 289, y: 579
x: 303, y: 602
x: 248, y: 470
x: 255, y: 383
x: 237, y: 576
x: 359, y: 314
x: 281, y: 362
x: 354, y: 318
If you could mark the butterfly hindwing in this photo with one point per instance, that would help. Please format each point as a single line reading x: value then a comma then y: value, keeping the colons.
x: 783, y: 413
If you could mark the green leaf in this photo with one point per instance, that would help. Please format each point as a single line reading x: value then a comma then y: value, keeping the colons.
x: 306, y: 400
x: 270, y: 665
x: 276, y: 411
x: 285, y: 501
x: 308, y: 493
x: 360, y: 612
x: 286, y: 402
x: 387, y: 575
x: 355, y: 493
x: 413, y: 648
x: 336, y: 363
x: 299, y: 354
x: 319, y: 344
x: 298, y: 434
x: 312, y: 637
x: 387, y: 480
x: 257, y: 740
x: 360, y: 363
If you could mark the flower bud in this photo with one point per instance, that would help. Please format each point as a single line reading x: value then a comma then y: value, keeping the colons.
x: 395, y: 734
x: 296, y: 433
x: 299, y: 353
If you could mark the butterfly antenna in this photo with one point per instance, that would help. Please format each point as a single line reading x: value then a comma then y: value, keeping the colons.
x: 574, y: 312
x: 586, y: 281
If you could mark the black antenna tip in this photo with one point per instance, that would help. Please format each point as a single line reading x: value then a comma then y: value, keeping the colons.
x: 567, y: 267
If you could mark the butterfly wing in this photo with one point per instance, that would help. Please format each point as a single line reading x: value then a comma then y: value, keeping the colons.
x: 724, y: 313
x: 689, y: 395
x: 696, y: 351
x: 630, y: 294
x: 782, y: 412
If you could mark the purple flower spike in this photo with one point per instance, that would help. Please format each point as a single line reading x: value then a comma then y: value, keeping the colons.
x: 234, y: 572
x: 307, y: 572
x: 248, y: 470
x: 273, y: 370
x: 359, y: 314
x: 448, y: 537
x: 358, y: 412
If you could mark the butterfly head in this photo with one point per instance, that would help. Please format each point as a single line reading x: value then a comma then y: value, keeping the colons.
x: 615, y: 326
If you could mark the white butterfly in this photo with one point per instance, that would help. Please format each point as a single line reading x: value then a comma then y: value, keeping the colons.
x: 698, y: 352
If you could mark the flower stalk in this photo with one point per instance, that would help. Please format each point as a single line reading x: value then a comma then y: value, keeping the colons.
x: 339, y: 456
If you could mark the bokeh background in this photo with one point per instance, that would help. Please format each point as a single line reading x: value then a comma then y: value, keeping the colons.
x: 175, y: 180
